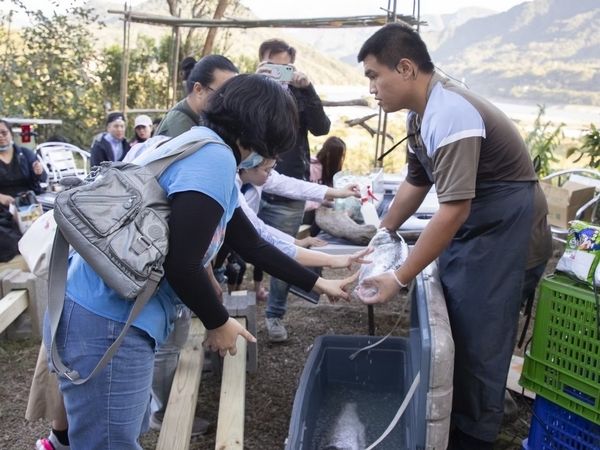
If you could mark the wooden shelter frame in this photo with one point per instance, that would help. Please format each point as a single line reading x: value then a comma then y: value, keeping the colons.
x: 129, y: 17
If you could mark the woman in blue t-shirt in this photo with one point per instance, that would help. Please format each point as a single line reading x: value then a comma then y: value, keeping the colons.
x: 253, y: 118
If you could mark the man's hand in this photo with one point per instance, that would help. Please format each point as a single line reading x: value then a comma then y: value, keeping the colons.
x: 378, y: 289
x: 223, y: 339
x: 299, y: 80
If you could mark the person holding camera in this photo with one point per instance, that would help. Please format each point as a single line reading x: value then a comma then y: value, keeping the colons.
x: 20, y: 171
x: 276, y: 59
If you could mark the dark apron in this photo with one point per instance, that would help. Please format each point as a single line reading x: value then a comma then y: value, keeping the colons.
x: 482, y: 274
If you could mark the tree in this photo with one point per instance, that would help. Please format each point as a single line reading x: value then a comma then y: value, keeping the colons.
x: 590, y: 148
x: 48, y: 70
x: 542, y: 141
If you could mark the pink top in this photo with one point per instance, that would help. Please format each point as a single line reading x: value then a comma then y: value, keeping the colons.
x: 316, y: 171
x: 316, y: 176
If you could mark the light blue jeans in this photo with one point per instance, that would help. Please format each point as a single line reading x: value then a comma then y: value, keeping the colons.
x: 111, y: 410
x: 286, y: 217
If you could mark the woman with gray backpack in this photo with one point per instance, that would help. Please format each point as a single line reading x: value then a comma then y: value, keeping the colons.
x: 250, y: 118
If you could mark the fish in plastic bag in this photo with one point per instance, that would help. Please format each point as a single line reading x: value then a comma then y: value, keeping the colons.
x: 389, y: 253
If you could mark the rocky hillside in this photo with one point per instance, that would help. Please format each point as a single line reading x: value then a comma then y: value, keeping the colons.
x: 544, y: 51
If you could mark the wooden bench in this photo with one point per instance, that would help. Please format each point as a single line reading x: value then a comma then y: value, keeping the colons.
x: 242, y: 304
x: 232, y: 403
x: 32, y: 302
x: 176, y: 428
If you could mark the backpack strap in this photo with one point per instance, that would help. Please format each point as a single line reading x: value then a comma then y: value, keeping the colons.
x: 56, y: 296
x: 158, y: 166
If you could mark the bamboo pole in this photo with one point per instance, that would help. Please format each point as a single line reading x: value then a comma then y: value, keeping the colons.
x: 125, y: 60
x: 323, y: 22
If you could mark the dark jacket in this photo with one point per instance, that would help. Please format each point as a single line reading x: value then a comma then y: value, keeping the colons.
x: 102, y: 151
x: 26, y: 158
x: 296, y: 161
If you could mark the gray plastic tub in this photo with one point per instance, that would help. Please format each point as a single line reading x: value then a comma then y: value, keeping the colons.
x: 377, y: 381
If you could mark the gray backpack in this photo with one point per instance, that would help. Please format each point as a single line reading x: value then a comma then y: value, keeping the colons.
x: 117, y: 220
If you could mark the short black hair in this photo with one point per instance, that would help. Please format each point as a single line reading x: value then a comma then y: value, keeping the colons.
x: 274, y: 46
x: 255, y: 111
x: 393, y: 42
x: 204, y: 70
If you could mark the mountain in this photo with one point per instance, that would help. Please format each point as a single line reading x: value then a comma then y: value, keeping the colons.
x: 543, y: 51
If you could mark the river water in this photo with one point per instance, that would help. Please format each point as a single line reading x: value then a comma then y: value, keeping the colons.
x: 576, y: 118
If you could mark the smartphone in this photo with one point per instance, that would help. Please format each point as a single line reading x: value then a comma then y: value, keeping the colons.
x: 279, y: 72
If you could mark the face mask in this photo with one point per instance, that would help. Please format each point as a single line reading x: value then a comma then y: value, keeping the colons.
x: 4, y: 148
x: 252, y: 160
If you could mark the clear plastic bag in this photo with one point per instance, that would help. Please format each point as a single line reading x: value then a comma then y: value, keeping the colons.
x: 389, y: 253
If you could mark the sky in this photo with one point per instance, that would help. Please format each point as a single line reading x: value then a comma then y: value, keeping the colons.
x: 277, y: 9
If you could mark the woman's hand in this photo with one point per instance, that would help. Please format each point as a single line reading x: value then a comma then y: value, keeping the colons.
x: 37, y: 167
x: 346, y: 261
x: 335, y: 288
x: 378, y: 289
x: 350, y: 190
x: 310, y: 241
x: 6, y: 200
x: 223, y: 339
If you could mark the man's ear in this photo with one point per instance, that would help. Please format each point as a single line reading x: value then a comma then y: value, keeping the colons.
x: 406, y: 68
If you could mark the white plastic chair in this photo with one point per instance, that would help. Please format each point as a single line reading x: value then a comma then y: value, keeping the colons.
x: 59, y: 160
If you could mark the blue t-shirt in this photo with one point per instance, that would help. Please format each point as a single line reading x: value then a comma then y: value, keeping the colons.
x: 211, y: 170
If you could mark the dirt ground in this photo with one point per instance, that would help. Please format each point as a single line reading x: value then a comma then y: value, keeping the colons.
x: 269, y: 392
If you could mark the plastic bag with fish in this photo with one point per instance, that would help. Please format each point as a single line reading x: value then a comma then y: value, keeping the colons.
x: 348, y: 432
x: 389, y: 253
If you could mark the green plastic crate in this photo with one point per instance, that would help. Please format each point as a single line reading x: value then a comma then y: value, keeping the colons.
x: 563, y: 363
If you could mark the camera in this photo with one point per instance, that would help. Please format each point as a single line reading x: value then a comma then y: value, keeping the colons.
x: 279, y: 72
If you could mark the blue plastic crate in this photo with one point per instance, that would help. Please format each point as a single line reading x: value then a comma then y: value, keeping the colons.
x: 555, y: 428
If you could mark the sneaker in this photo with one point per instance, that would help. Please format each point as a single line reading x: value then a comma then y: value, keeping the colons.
x: 50, y: 443
x: 199, y: 427
x: 276, y: 329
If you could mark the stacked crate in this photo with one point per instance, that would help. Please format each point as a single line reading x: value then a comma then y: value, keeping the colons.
x: 563, y: 368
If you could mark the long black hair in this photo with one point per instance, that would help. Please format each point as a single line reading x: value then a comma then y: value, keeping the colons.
x: 256, y: 112
x: 331, y: 157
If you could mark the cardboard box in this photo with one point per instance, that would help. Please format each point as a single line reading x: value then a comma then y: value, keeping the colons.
x: 564, y: 201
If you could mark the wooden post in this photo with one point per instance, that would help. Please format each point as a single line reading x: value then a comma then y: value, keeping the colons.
x: 125, y: 60
x: 174, y: 78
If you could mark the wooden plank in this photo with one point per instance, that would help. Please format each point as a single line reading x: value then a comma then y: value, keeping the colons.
x: 514, y: 373
x: 230, y: 426
x: 176, y: 428
x: 12, y: 305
